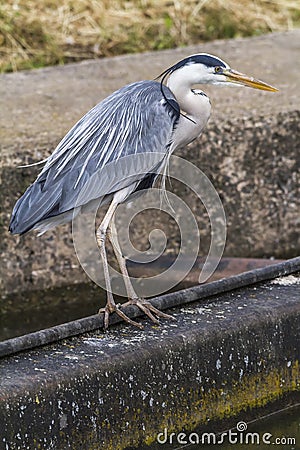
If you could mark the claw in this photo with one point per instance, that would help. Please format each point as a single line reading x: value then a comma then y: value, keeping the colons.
x: 144, y: 306
x: 109, y: 309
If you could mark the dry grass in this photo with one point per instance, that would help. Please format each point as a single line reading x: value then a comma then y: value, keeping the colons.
x: 38, y: 33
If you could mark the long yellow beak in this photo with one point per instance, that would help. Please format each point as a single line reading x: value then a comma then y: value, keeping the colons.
x: 240, y: 78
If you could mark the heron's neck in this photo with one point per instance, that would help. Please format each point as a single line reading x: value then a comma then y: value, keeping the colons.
x: 182, y: 90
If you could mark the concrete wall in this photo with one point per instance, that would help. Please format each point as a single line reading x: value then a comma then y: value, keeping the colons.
x: 250, y: 151
x: 223, y: 359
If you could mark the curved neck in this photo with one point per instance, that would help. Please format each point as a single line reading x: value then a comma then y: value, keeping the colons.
x: 180, y: 82
x: 181, y: 88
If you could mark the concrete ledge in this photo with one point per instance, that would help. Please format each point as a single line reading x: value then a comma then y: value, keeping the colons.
x: 182, y: 297
x: 249, y: 151
x: 227, y: 354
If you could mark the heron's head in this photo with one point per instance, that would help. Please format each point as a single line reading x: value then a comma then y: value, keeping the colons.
x: 208, y: 69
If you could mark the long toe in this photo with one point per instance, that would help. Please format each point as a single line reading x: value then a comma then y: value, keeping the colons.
x: 109, y: 310
x: 158, y: 312
x: 127, y: 319
x: 148, y: 309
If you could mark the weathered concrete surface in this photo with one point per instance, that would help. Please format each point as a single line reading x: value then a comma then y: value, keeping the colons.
x: 16, y: 337
x: 26, y: 312
x: 224, y: 357
x: 249, y: 151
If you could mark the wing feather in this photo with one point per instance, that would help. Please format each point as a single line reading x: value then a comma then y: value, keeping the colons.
x: 94, y: 159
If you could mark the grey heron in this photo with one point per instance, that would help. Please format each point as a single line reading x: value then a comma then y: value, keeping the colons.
x: 142, y: 118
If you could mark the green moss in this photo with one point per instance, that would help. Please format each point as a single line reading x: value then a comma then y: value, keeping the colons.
x: 253, y: 391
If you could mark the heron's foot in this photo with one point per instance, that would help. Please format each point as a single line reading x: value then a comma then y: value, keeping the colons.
x: 148, y: 309
x: 110, y: 308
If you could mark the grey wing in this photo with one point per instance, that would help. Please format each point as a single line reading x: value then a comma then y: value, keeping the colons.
x: 115, y: 144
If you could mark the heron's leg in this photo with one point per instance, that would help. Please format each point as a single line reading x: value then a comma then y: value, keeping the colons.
x: 101, y: 238
x: 133, y: 298
x: 113, y: 237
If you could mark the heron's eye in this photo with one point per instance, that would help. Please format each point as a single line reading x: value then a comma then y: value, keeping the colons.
x: 218, y: 69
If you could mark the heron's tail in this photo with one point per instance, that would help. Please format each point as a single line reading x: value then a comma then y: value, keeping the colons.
x: 31, y: 208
